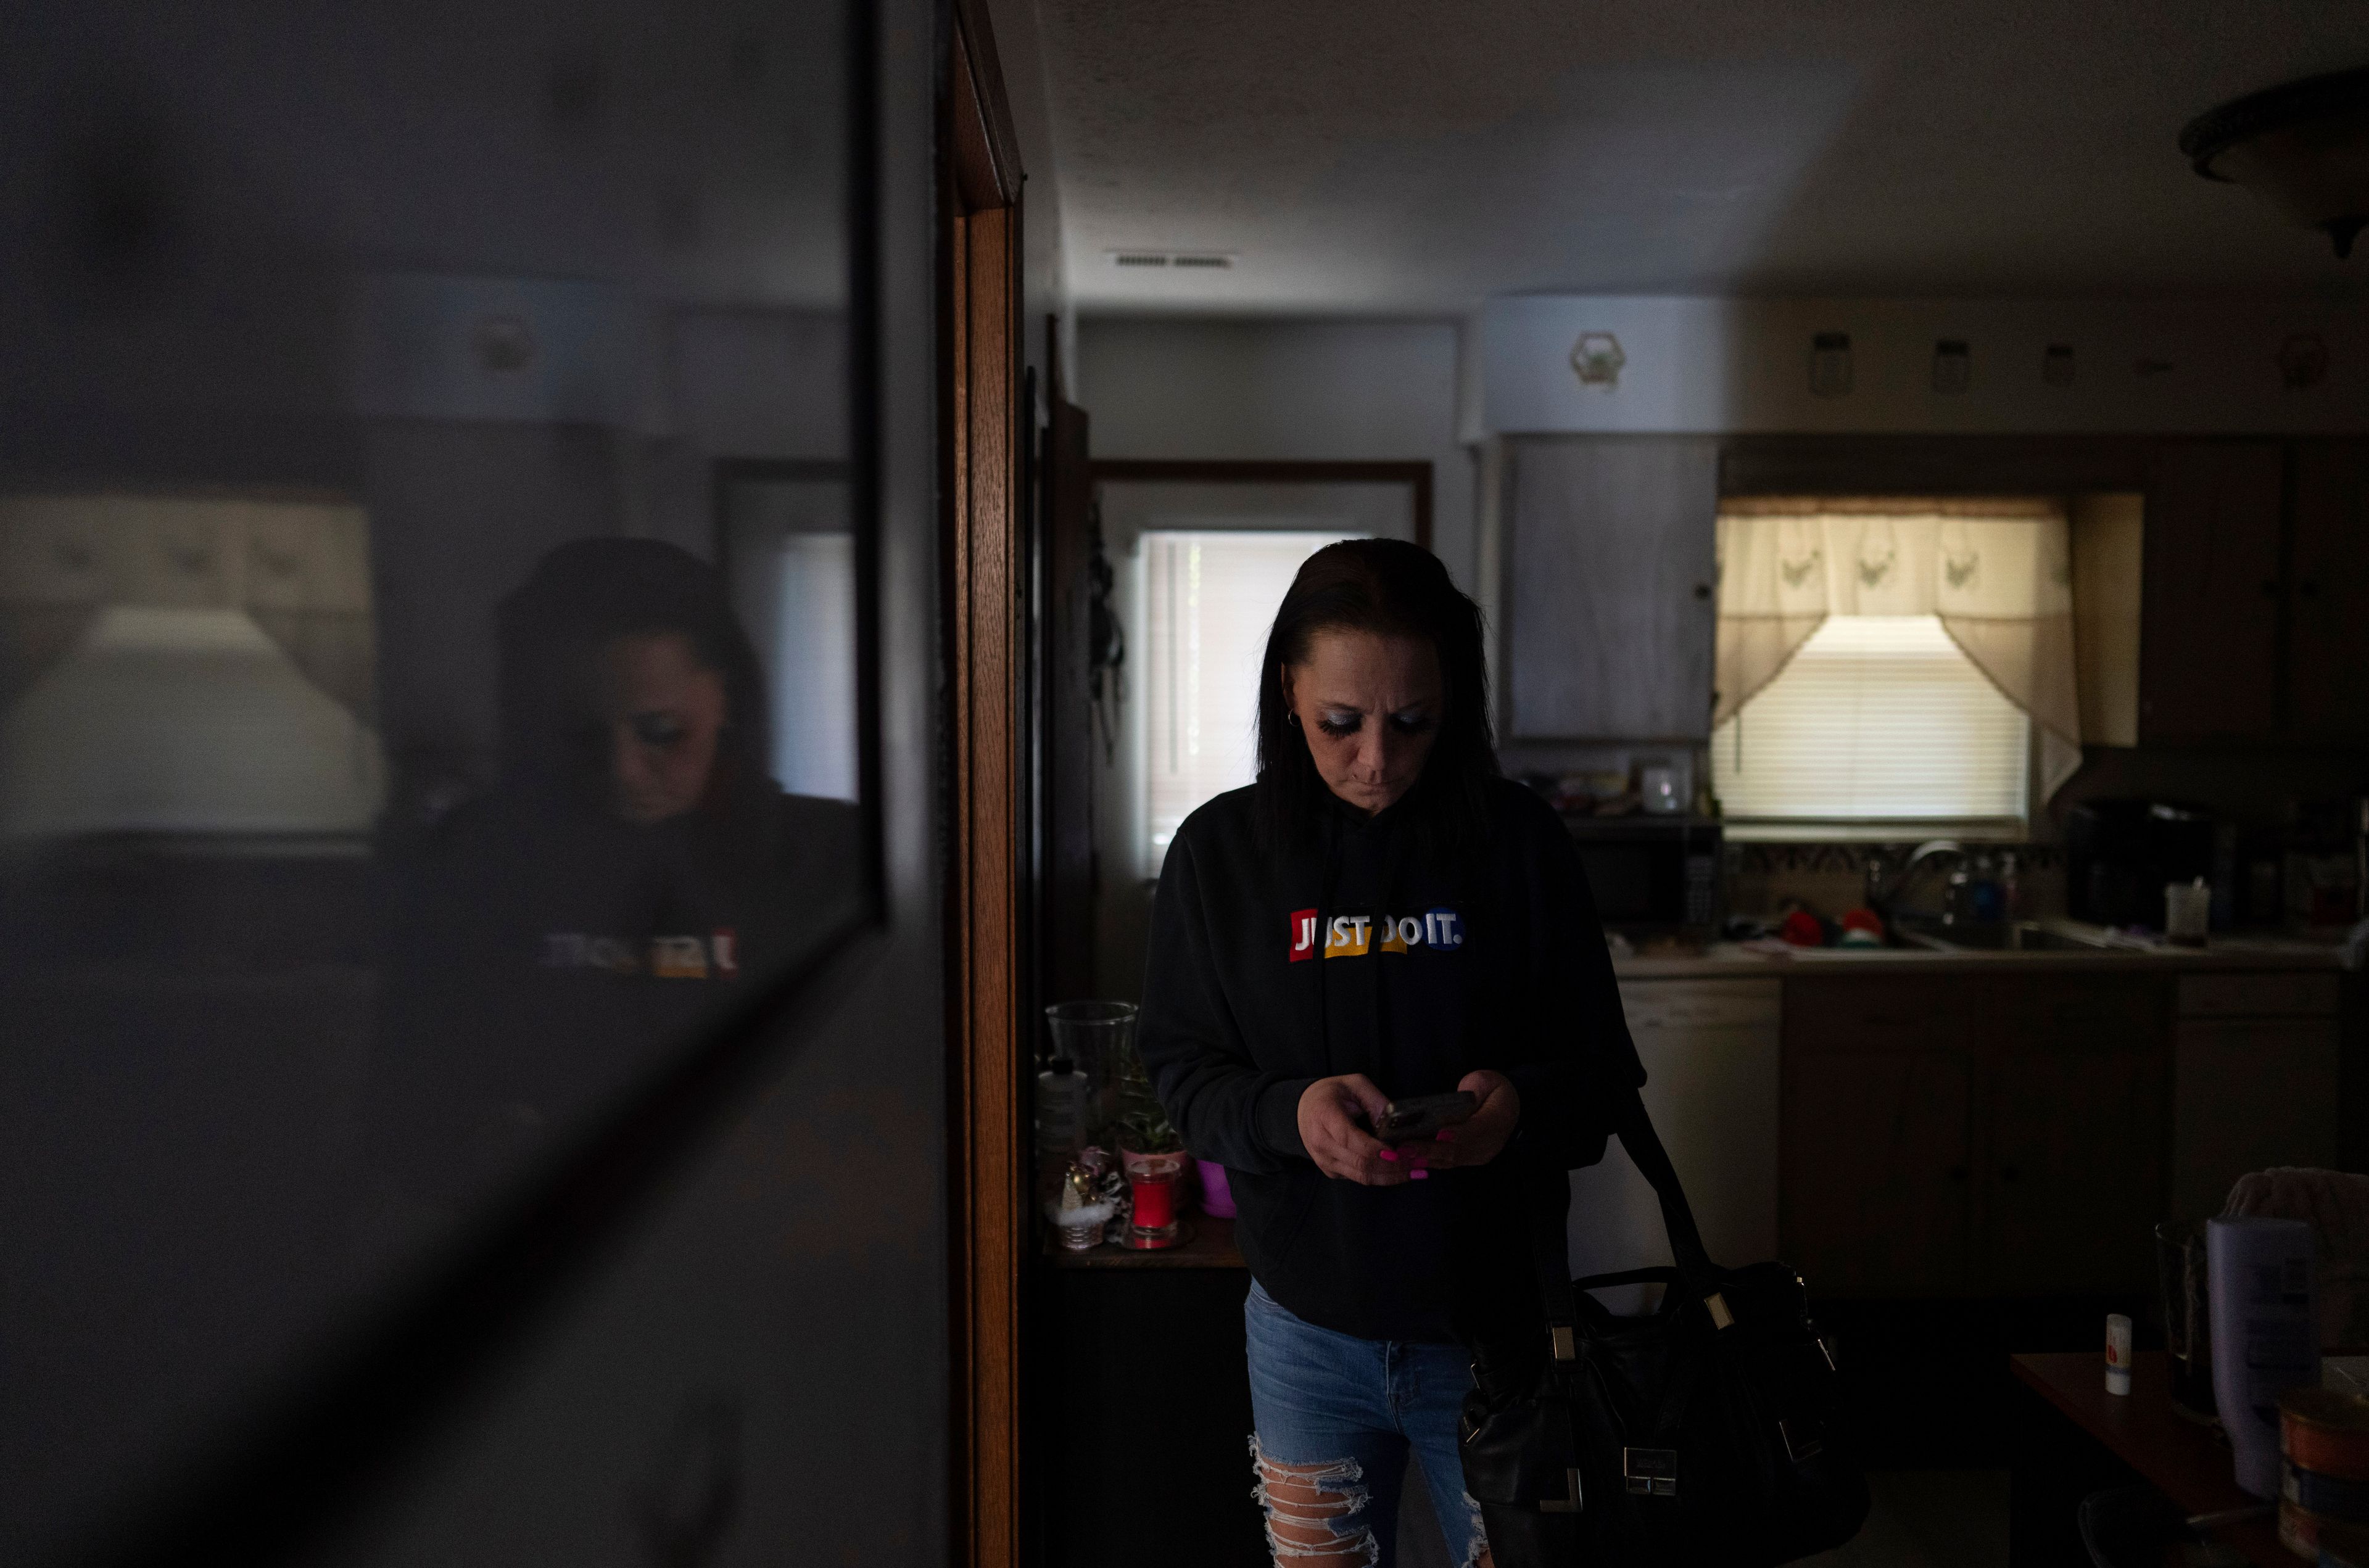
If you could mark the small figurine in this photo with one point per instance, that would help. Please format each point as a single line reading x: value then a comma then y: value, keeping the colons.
x: 1079, y: 1211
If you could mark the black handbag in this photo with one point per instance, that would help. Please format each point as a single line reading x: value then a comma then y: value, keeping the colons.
x: 1708, y: 1434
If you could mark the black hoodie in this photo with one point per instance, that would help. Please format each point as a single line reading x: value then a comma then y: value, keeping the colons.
x: 1374, y: 949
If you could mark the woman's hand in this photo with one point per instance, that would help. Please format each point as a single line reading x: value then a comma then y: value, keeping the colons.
x: 1479, y: 1139
x: 1329, y: 1109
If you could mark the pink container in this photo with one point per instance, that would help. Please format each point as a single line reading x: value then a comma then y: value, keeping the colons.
x: 1215, y: 1197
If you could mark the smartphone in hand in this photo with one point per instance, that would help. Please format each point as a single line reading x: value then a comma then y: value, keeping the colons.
x: 1423, y: 1115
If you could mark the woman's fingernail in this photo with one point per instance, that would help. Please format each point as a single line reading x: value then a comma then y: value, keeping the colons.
x: 1418, y: 1174
x: 1445, y: 1135
x: 1389, y: 1154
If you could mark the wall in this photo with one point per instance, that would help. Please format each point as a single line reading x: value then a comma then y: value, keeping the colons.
x: 1714, y: 366
x: 1044, y: 289
x: 1283, y: 390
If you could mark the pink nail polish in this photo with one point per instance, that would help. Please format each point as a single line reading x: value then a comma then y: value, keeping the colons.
x: 1418, y: 1174
x: 1445, y: 1135
x: 1389, y: 1154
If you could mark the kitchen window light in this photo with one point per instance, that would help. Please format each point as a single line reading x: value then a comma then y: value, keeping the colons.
x: 1878, y: 722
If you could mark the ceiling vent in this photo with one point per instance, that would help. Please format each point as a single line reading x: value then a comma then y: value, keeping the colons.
x: 1204, y: 260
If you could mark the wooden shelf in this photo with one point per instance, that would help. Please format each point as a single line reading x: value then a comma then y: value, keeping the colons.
x: 1209, y: 1244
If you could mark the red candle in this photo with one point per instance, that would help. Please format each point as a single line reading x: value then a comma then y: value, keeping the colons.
x: 1155, y: 1202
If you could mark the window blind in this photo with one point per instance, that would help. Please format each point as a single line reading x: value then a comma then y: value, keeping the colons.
x: 1210, y: 599
x: 1877, y: 718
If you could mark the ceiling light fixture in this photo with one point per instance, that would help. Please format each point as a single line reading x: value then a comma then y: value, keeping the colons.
x: 2303, y: 146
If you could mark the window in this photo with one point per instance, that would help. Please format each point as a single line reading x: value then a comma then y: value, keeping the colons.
x: 1211, y: 600
x: 1876, y: 719
x: 789, y: 554
x: 198, y: 666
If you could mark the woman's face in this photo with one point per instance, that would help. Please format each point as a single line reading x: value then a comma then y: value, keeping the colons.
x: 1371, y: 706
x: 662, y: 711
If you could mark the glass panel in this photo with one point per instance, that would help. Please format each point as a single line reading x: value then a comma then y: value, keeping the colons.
x: 432, y: 560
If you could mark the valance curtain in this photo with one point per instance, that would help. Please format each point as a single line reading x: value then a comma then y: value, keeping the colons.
x: 299, y: 569
x: 1997, y: 573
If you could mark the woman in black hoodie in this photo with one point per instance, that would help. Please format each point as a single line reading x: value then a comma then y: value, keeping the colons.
x: 1380, y: 916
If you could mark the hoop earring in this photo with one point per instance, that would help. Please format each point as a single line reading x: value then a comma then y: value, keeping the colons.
x: 1292, y: 719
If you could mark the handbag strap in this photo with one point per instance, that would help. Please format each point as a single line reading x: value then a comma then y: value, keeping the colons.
x: 1550, y: 1246
x: 1652, y: 1161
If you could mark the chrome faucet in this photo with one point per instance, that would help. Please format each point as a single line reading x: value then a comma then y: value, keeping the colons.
x: 1883, y: 892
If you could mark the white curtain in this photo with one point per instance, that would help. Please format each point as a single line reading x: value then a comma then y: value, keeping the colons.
x: 298, y: 567
x: 1997, y: 574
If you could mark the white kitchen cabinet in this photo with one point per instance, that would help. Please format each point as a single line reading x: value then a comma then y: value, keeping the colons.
x: 1711, y: 1052
x: 1610, y: 589
x: 2254, y: 1082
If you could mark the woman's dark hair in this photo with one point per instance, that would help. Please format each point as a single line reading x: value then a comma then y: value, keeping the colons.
x: 1394, y: 589
x: 585, y: 595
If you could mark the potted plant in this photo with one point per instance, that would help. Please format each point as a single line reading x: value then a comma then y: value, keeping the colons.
x: 1151, y: 1153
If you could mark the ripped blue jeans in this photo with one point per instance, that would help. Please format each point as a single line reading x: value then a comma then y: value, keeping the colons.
x: 1335, y: 1417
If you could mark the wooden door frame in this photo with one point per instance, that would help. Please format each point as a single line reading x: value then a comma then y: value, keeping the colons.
x: 982, y: 519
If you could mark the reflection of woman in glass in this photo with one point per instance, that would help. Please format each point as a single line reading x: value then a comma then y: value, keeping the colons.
x: 634, y: 870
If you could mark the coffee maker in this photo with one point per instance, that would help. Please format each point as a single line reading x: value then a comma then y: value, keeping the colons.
x: 2119, y: 854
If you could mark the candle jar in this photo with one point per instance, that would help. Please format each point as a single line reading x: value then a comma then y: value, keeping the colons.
x: 1153, y: 1180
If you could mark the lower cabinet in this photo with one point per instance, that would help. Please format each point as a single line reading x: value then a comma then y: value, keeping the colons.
x: 2257, y: 1066
x: 1874, y: 1191
x: 2076, y: 1171
x: 1974, y: 1136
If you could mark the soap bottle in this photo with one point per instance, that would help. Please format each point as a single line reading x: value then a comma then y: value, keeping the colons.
x: 1989, y: 908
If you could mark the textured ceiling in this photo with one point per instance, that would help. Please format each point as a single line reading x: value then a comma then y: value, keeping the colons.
x: 1398, y: 156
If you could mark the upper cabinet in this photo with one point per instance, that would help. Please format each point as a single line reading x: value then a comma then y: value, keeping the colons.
x: 2326, y: 698
x: 2210, y: 622
x: 2257, y: 596
x: 1611, y: 586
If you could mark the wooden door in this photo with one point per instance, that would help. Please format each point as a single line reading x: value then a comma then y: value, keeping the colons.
x: 1610, y: 587
x: 2209, y: 630
x: 2327, y: 699
x: 2074, y: 1179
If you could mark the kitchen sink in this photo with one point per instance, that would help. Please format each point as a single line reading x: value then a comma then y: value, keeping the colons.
x: 2001, y: 936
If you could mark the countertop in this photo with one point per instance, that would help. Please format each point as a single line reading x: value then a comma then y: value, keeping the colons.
x: 1734, y: 960
x: 2181, y: 1457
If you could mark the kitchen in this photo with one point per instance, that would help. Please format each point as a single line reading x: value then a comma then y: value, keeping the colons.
x: 1961, y: 1118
